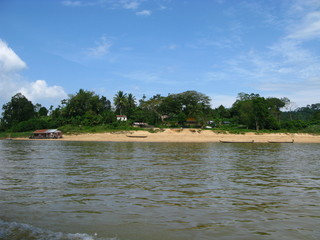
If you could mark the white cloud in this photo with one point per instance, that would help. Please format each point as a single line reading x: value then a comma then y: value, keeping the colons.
x: 287, y: 70
x: 130, y: 4
x: 38, y: 89
x: 309, y: 28
x: 9, y: 61
x: 102, y: 48
x: 144, y: 13
x: 302, y: 93
x: 72, y: 3
x: 11, y: 82
x: 111, y: 4
x: 299, y: 7
x: 171, y: 47
x: 290, y: 67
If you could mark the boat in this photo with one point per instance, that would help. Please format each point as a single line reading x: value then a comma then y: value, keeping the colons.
x: 292, y: 141
x: 136, y: 136
x: 252, y: 141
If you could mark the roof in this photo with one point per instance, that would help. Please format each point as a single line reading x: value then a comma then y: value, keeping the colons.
x: 191, y: 119
x: 52, y: 130
x: 46, y: 131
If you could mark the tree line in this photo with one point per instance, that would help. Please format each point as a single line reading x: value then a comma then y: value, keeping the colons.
x: 186, y: 109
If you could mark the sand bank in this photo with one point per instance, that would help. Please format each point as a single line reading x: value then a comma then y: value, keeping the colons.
x: 192, y: 135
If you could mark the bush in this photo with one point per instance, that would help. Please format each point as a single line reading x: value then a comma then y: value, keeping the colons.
x: 315, y: 129
x: 272, y: 124
x: 294, y: 125
x: 33, y: 124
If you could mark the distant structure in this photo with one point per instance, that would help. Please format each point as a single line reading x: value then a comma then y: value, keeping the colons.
x: 140, y: 124
x: 122, y: 118
x: 46, y: 134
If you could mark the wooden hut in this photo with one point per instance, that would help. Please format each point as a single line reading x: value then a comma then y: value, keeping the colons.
x: 46, y: 134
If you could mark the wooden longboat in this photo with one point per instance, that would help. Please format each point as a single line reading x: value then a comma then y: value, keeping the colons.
x: 252, y: 141
x: 137, y: 136
x: 292, y: 141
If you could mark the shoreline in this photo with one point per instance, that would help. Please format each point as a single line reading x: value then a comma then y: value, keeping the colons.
x: 188, y: 135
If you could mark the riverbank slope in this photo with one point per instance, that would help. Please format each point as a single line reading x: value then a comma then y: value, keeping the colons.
x: 191, y: 135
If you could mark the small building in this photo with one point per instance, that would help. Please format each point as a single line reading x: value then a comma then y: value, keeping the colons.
x: 140, y: 124
x: 122, y: 118
x: 46, y: 134
x: 191, y: 121
x: 164, y: 117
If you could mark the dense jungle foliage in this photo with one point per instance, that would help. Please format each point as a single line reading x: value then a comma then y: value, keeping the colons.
x: 87, y: 111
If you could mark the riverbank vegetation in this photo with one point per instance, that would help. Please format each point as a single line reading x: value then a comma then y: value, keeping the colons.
x: 85, y: 111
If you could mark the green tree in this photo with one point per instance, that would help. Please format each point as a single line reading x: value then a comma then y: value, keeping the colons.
x: 130, y: 105
x: 223, y: 112
x: 120, y: 101
x: 83, y: 102
x: 131, y: 101
x: 104, y: 105
x: 260, y: 112
x: 242, y: 112
x: 255, y: 112
x: 275, y: 104
x: 43, y: 112
x: 152, y: 108
x: 40, y: 110
x: 19, y: 109
x: 84, y: 107
x: 182, y: 118
x: 193, y: 103
x: 170, y: 105
x: 245, y: 96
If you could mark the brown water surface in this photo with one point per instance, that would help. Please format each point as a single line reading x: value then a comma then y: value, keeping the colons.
x: 151, y: 191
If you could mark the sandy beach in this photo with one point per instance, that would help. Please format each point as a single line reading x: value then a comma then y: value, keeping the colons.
x: 191, y: 135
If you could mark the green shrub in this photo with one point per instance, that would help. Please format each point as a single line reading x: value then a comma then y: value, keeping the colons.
x: 33, y: 124
x: 314, y: 129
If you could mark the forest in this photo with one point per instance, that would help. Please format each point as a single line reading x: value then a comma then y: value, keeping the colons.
x: 87, y: 111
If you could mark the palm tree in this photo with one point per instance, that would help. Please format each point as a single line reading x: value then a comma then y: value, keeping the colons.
x: 120, y: 101
x: 131, y: 101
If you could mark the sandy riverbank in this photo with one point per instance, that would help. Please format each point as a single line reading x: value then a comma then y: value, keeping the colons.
x: 191, y: 135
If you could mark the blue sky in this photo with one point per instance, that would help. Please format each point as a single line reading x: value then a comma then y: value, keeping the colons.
x: 52, y: 48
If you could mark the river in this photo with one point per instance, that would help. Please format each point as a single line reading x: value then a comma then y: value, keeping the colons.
x: 155, y: 191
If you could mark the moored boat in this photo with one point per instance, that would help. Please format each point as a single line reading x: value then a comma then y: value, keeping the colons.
x: 136, y: 136
x: 252, y: 141
x: 292, y: 141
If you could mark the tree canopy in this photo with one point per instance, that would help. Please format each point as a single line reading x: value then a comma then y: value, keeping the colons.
x: 17, y: 110
x: 257, y: 112
x: 85, y: 102
x: 189, y: 108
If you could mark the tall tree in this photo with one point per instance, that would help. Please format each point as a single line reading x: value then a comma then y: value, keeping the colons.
x: 40, y: 110
x: 260, y: 112
x: 17, y: 110
x: 131, y: 101
x: 223, y: 112
x: 194, y: 103
x: 255, y: 111
x: 120, y: 101
x: 275, y: 104
x: 288, y: 105
x: 152, y: 108
x: 105, y: 105
x: 131, y: 104
x: 84, y: 102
